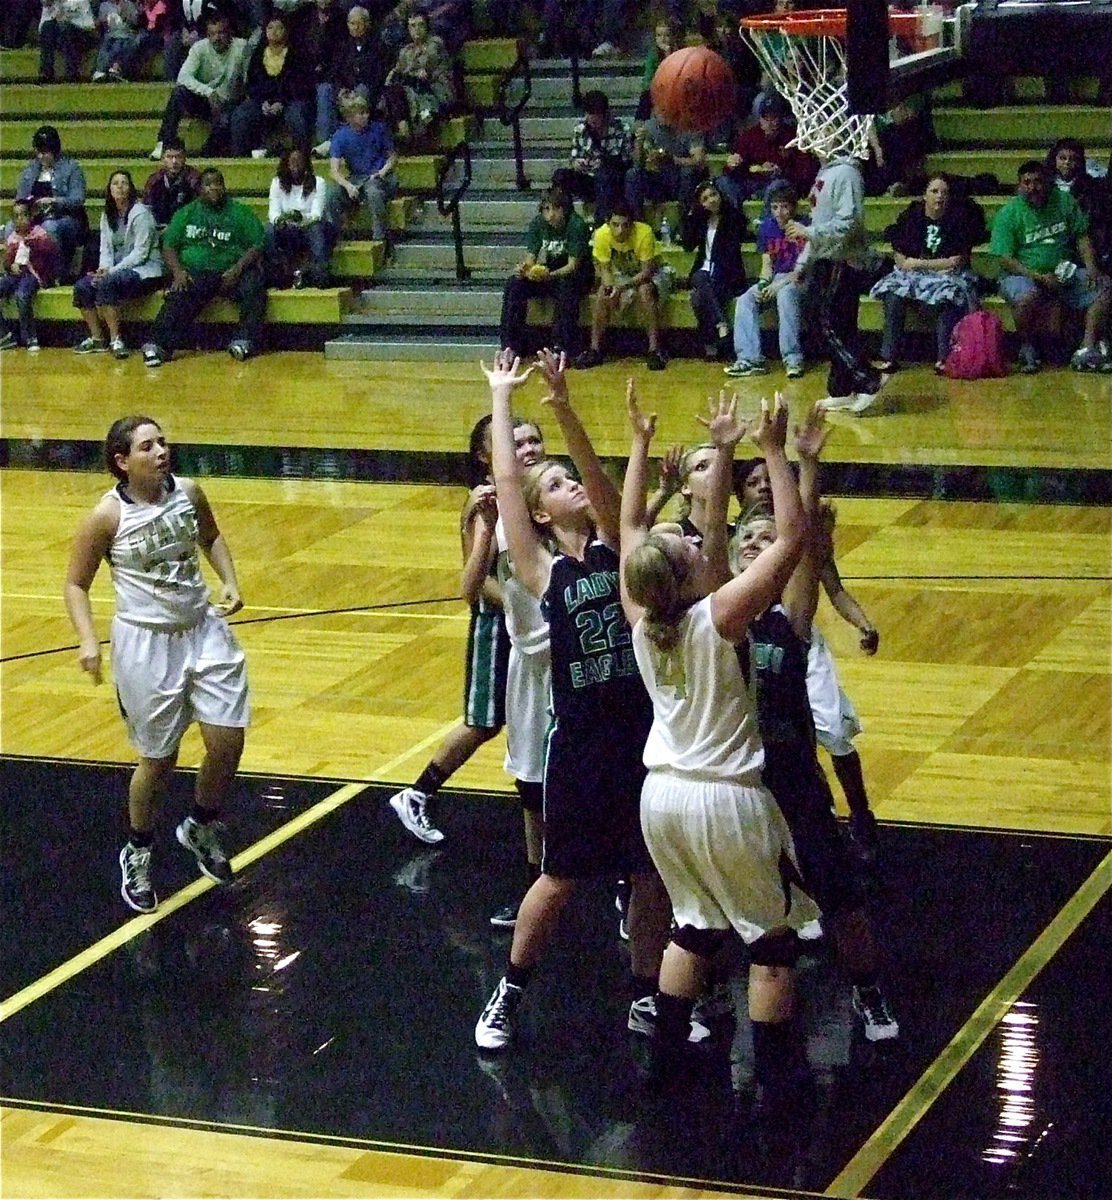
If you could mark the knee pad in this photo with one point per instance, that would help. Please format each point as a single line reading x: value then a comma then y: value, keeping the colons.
x: 704, y: 943
x: 775, y: 949
x: 531, y: 794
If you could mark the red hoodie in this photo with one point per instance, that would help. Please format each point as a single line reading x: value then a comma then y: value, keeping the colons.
x: 44, y: 253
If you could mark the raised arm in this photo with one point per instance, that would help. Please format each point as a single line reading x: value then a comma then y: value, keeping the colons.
x: 600, y: 489
x: 477, y: 525
x: 736, y: 603
x: 725, y: 432
x: 668, y: 484
x: 634, y: 516
x: 531, y: 561
x: 801, y: 594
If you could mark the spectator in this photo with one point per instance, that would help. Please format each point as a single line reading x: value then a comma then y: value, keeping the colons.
x: 173, y: 185
x: 601, y: 154
x: 279, y: 87
x: 667, y: 165
x: 185, y: 21
x: 55, y: 186
x: 714, y: 229
x: 557, y: 263
x: 209, y: 84
x: 15, y: 22
x: 667, y: 38
x: 900, y: 140
x: 779, y: 282
x: 1065, y: 161
x: 449, y: 20
x: 362, y: 169
x: 421, y: 84
x: 213, y: 247
x: 65, y: 25
x: 130, y: 266
x: 761, y: 156
x: 30, y: 261
x: 321, y: 33
x: 1035, y: 236
x: 155, y: 34
x: 119, y: 23
x: 295, y: 221
x: 629, y: 270
x: 358, y: 68
x: 933, y: 242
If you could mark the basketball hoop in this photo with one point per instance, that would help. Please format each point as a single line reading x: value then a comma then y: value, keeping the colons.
x: 804, y: 56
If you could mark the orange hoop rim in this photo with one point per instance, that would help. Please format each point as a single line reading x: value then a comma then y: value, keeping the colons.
x: 822, y: 22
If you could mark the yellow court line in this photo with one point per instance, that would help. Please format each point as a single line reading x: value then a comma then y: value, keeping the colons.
x: 965, y: 1043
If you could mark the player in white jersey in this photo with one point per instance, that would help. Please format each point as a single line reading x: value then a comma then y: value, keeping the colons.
x: 174, y: 659
x: 713, y: 829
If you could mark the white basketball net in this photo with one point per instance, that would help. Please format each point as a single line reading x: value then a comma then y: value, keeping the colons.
x: 810, y: 73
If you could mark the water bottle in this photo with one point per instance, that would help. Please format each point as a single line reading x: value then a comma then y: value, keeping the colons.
x: 665, y: 233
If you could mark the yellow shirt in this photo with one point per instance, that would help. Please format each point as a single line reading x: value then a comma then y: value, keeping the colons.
x: 626, y: 257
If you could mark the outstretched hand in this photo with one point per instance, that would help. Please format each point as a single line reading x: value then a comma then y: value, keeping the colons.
x: 506, y: 371
x: 772, y: 429
x: 671, y: 470
x: 643, y: 426
x: 554, y: 368
x: 722, y: 421
x: 810, y: 437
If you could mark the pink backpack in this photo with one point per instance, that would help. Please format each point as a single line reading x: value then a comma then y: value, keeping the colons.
x: 976, y: 348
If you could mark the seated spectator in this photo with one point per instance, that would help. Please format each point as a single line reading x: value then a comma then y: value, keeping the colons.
x: 933, y: 242
x: 601, y: 154
x: 212, y: 247
x: 1036, y: 236
x: 760, y: 155
x: 557, y: 263
x: 296, y: 225
x: 278, y: 91
x: 173, y: 185
x: 155, y: 32
x: 362, y: 169
x: 779, y: 284
x: 209, y: 85
x: 119, y: 24
x: 900, y: 140
x: 185, y: 20
x: 629, y: 271
x: 714, y: 229
x: 65, y: 25
x: 55, y: 186
x: 358, y: 68
x: 321, y: 33
x: 1065, y: 162
x: 667, y: 165
x: 130, y: 266
x: 421, y: 85
x: 449, y: 20
x: 31, y: 261
x: 667, y: 37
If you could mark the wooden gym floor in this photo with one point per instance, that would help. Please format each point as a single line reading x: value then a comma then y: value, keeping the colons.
x: 308, y: 1031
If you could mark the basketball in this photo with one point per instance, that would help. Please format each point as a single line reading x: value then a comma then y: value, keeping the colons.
x: 694, y: 89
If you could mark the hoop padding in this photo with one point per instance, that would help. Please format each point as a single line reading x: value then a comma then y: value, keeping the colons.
x: 804, y: 58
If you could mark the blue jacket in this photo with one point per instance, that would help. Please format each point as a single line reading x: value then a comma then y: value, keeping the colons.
x: 68, y: 185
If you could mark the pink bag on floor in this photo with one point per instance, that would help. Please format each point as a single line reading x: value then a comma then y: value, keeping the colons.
x: 976, y: 348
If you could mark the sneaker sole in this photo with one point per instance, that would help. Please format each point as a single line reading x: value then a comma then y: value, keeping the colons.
x: 205, y: 870
x: 500, y: 923
x: 428, y: 836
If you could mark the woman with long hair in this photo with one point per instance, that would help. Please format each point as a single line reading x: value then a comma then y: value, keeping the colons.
x: 296, y: 224
x: 130, y: 266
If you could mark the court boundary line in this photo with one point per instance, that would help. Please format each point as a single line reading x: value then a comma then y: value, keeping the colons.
x: 883, y: 1142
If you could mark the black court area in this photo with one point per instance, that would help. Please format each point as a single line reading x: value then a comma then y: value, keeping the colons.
x: 332, y: 993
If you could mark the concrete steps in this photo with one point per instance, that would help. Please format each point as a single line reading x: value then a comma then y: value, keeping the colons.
x: 392, y: 346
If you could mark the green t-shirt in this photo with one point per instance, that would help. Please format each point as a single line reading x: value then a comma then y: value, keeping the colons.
x: 553, y: 247
x: 1040, y: 238
x: 213, y: 239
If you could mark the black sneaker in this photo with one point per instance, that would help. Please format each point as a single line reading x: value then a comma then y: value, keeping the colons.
x: 656, y: 361
x: 135, y: 864
x: 588, y: 359
x: 504, y: 917
x: 643, y: 1020
x: 495, y: 1028
x: 862, y: 837
x: 153, y: 356
x: 203, y: 842
x: 870, y: 1005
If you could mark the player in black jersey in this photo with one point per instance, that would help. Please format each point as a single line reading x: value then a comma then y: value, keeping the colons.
x: 563, y: 537
x: 778, y: 652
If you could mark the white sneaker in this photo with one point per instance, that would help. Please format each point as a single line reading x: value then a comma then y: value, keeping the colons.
x: 33, y: 346
x: 870, y: 1005
x: 855, y: 404
x: 156, y: 153
x: 811, y: 932
x: 494, y: 1029
x: 322, y: 149
x: 603, y: 49
x: 643, y: 1020
x: 259, y: 152
x: 409, y: 804
x: 99, y: 75
x: 119, y: 348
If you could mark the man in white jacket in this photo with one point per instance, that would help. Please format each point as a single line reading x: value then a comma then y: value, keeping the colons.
x: 210, y: 83
x: 833, y: 261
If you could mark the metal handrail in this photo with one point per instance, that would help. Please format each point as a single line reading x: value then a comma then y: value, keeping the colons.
x: 511, y: 114
x: 448, y: 203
